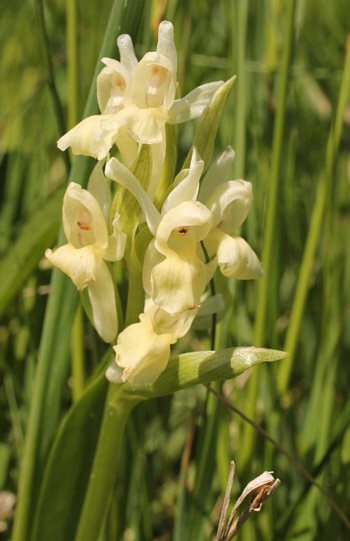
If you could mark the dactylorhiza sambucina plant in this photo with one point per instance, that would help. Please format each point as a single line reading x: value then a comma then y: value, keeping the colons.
x: 174, y: 233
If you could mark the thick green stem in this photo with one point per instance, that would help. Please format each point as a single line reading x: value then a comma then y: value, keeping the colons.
x: 102, y: 479
x: 136, y: 296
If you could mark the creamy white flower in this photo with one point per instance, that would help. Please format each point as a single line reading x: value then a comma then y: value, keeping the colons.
x: 136, y: 101
x: 173, y: 274
x: 83, y: 257
x: 229, y: 203
x: 143, y: 349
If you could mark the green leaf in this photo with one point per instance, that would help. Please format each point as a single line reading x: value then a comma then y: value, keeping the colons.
x: 69, y: 465
x: 36, y: 234
x: 208, y: 125
x: 203, y: 367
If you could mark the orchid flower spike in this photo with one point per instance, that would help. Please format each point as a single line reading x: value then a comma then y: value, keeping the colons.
x: 136, y: 101
x: 173, y: 274
x: 89, y: 246
x: 143, y: 349
x: 229, y: 203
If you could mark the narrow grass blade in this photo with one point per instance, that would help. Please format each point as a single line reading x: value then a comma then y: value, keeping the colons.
x: 269, y: 235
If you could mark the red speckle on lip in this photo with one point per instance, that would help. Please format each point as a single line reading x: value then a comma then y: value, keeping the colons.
x: 83, y: 226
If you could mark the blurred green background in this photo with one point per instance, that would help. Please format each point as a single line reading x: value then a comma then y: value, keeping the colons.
x: 295, y: 150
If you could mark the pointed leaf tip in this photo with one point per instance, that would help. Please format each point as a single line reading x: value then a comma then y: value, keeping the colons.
x: 191, y: 369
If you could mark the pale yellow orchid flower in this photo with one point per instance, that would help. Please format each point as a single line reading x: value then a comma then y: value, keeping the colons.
x: 143, y: 349
x: 136, y: 101
x: 173, y: 274
x: 89, y: 246
x: 229, y: 203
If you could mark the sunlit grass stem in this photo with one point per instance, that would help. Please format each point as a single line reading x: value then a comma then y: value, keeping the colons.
x: 51, y: 81
x: 314, y: 231
x: 72, y: 62
x: 269, y: 233
x: 77, y: 354
x: 240, y: 89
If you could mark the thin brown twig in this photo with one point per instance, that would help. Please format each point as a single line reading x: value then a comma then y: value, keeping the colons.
x: 285, y: 453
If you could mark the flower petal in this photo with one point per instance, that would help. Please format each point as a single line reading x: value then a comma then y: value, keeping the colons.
x: 152, y: 258
x: 83, y: 221
x: 166, y: 45
x: 230, y: 203
x: 186, y: 184
x: 116, y: 243
x: 216, y: 174
x: 192, y: 105
x: 187, y: 215
x: 112, y: 83
x: 82, y: 138
x: 143, y: 353
x: 99, y: 189
x: 102, y: 298
x: 78, y: 264
x: 154, y: 82
x: 142, y: 125
x: 178, y: 282
x: 118, y: 172
x: 164, y: 323
x: 126, y: 50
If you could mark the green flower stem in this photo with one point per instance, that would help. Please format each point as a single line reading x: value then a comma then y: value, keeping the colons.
x: 102, y: 479
x: 77, y: 355
x: 52, y: 358
x: 136, y: 296
x: 267, y: 255
x: 323, y: 192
